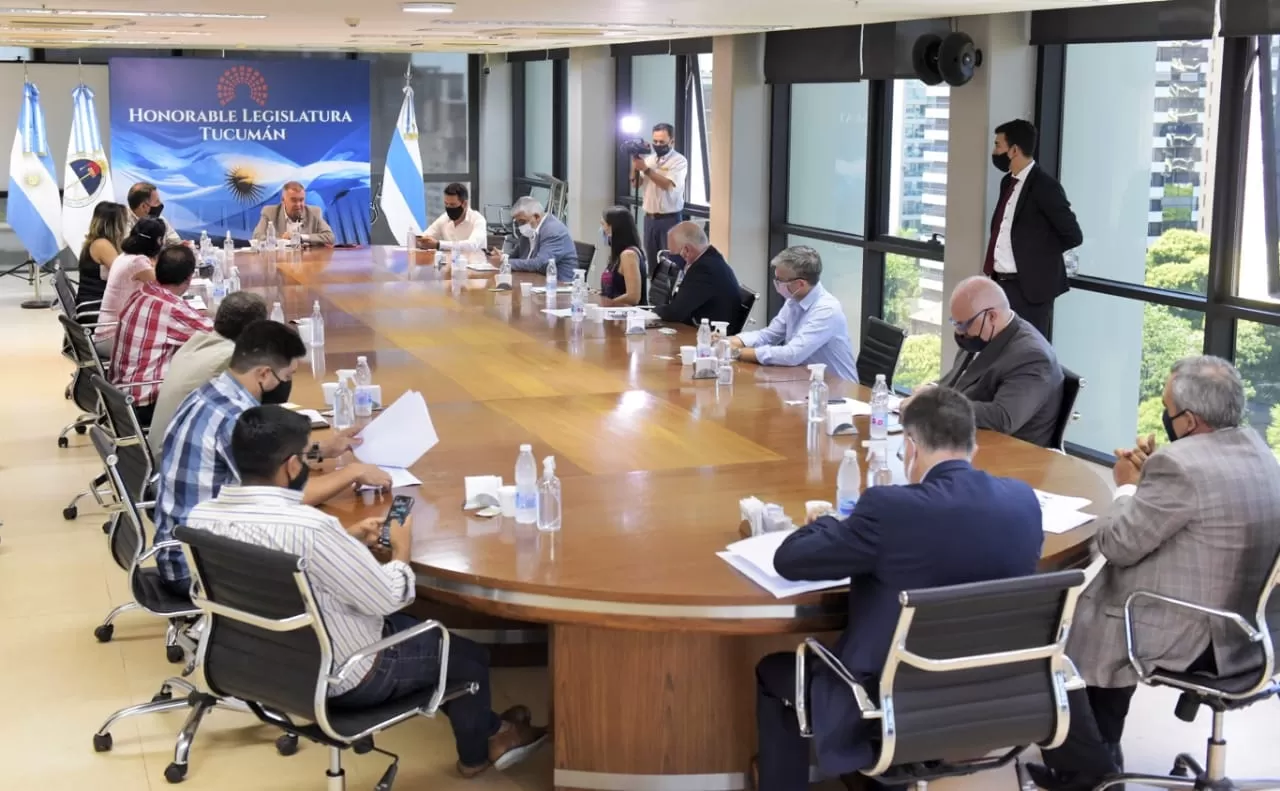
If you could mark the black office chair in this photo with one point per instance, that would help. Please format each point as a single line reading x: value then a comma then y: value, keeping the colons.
x: 129, y: 436
x: 586, y: 254
x: 266, y: 644
x: 1071, y: 385
x: 949, y: 698
x: 1219, y: 694
x: 87, y: 312
x: 747, y: 299
x: 86, y: 398
x: 662, y: 280
x: 881, y: 346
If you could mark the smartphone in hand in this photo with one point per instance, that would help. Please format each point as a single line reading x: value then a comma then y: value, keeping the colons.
x: 401, y: 506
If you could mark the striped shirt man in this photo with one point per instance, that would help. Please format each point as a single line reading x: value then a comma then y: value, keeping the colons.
x: 353, y: 591
x: 154, y: 324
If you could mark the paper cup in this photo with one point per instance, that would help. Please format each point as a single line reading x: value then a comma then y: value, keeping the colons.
x: 526, y: 288
x: 330, y: 392
x: 502, y: 281
x: 507, y: 499
x: 688, y: 354
x: 350, y: 373
x: 816, y: 508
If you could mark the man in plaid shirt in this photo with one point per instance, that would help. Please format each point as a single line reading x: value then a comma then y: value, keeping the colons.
x: 154, y: 324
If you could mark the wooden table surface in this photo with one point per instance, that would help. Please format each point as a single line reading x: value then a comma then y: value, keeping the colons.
x: 652, y: 463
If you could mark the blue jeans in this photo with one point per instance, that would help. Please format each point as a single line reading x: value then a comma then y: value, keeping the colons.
x: 414, y: 665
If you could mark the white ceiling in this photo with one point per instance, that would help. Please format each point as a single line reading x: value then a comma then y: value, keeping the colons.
x: 473, y: 26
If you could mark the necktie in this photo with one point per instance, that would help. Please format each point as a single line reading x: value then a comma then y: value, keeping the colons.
x: 1006, y: 190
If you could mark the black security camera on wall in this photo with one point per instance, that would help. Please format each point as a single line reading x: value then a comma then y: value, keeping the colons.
x: 952, y: 58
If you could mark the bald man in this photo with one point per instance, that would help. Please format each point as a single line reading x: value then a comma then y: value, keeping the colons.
x: 708, y: 288
x: 1005, y: 366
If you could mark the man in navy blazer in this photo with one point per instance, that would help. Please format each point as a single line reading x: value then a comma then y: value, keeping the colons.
x: 951, y: 524
x: 548, y: 237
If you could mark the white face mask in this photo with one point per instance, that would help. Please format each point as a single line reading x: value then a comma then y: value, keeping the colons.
x: 527, y: 230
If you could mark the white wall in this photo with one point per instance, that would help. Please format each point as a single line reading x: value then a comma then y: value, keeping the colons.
x: 591, y: 125
x: 495, y: 136
x: 55, y: 82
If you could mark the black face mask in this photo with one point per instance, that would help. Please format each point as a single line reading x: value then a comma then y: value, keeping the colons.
x: 154, y: 211
x: 299, y: 481
x: 454, y: 212
x: 971, y: 343
x: 661, y: 150
x: 1001, y: 162
x: 278, y: 394
x: 1168, y: 419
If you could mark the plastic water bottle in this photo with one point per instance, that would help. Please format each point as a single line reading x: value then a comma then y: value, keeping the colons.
x: 317, y: 327
x: 228, y: 248
x: 344, y: 405
x: 411, y: 239
x: 277, y: 312
x: 219, y: 284
x: 847, y: 484
x: 880, y: 409
x: 269, y: 243
x: 704, y: 339
x: 233, y: 283
x: 206, y: 245
x: 526, y: 487
x: 458, y: 259
x: 551, y: 277
x: 579, y: 301
x: 818, y: 393
x: 364, y: 378
x: 548, y: 496
x: 878, y: 472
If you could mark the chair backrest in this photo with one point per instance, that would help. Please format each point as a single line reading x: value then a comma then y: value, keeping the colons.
x: 586, y: 253
x: 747, y: 301
x: 65, y: 291
x: 265, y: 641
x: 118, y: 407
x: 881, y: 345
x: 976, y: 668
x: 128, y: 539
x: 662, y: 280
x: 1071, y: 384
x: 87, y: 363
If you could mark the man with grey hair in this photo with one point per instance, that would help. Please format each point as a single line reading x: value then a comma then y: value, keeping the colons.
x: 548, y: 239
x: 293, y: 208
x: 707, y: 288
x: 1196, y: 520
x: 810, y: 328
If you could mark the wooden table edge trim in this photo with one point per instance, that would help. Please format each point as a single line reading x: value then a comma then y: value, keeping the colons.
x: 612, y: 781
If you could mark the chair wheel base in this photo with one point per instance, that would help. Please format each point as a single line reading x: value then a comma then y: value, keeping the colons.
x: 104, y: 633
x: 287, y: 744
x: 174, y: 654
x: 106, y: 527
x: 162, y: 696
x: 175, y: 773
x: 63, y: 442
x: 102, y: 742
x: 70, y: 512
x: 80, y: 430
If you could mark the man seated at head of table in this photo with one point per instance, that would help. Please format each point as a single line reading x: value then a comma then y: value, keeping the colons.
x: 951, y: 524
x: 548, y: 238
x: 459, y: 223
x: 359, y: 599
x: 293, y: 208
x: 1197, y: 519
x: 707, y: 288
x: 1005, y: 366
x: 196, y: 460
x: 144, y: 201
x: 204, y: 356
x: 154, y: 323
x: 810, y: 328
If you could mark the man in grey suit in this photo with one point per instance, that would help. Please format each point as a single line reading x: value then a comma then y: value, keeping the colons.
x: 1197, y: 520
x: 293, y: 208
x: 1005, y: 366
x: 548, y: 238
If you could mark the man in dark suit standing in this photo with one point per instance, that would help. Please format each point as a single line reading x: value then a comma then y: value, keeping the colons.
x: 1032, y: 227
x: 950, y: 525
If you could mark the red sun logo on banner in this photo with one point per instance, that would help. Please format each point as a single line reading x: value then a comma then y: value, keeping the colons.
x: 236, y: 76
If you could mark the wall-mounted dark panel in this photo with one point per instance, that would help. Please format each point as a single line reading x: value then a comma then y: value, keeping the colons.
x: 828, y: 54
x: 1159, y: 21
x: 531, y: 55
x: 1250, y: 17
x: 886, y: 47
x: 675, y: 46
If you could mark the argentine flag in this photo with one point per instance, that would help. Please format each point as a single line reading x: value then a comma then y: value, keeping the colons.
x: 33, y: 189
x: 86, y: 180
x: 404, y: 195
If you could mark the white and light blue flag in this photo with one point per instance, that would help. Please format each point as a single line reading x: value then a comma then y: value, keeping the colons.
x: 404, y: 194
x: 86, y: 180
x: 33, y: 189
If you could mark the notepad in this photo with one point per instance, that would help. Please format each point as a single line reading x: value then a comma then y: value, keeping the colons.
x: 485, y: 267
x: 1060, y: 513
x: 560, y: 313
x: 753, y: 558
x: 197, y: 303
x: 399, y: 477
x: 400, y: 435
x: 559, y: 289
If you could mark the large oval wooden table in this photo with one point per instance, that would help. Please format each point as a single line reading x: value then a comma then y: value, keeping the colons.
x: 653, y: 638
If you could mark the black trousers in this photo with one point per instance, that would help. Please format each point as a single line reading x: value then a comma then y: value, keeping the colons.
x: 783, y: 757
x: 1040, y: 315
x: 1097, y: 724
x: 655, y: 235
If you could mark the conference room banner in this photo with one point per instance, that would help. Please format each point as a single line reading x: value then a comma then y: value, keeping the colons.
x: 221, y: 137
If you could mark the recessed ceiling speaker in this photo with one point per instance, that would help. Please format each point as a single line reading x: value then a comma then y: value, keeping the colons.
x: 952, y: 59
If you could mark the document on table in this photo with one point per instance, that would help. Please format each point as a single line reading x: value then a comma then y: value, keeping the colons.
x: 399, y: 477
x: 485, y: 267
x: 197, y: 303
x: 400, y: 435
x: 1060, y: 501
x: 560, y: 313
x: 1059, y: 513
x: 620, y: 314
x: 753, y: 558
x: 559, y: 289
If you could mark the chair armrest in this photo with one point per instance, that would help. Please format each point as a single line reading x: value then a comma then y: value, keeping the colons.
x: 1130, y: 636
x: 1092, y: 571
x: 868, y: 708
x: 155, y: 549
x: 373, y: 649
x: 140, y: 384
x: 100, y: 325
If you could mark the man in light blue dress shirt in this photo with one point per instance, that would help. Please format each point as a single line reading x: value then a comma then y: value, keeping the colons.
x: 810, y: 328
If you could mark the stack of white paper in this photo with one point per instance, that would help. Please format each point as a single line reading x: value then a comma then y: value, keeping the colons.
x: 1059, y: 513
x: 753, y: 557
x: 398, y: 437
x: 559, y: 289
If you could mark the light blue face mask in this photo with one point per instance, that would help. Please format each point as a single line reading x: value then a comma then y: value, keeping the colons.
x: 606, y: 238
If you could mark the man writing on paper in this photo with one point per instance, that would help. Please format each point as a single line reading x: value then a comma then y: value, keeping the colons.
x: 196, y: 460
x: 1197, y: 520
x: 951, y: 524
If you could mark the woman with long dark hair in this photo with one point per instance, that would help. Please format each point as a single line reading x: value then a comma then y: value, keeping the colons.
x: 135, y: 265
x: 100, y: 249
x: 626, y: 280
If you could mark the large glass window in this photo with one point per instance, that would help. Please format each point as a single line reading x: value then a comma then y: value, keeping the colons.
x: 913, y: 301
x: 653, y: 90
x: 828, y: 156
x: 1262, y: 162
x: 1141, y: 182
x: 842, y: 276
x: 700, y: 130
x: 918, y: 186
x: 1258, y: 358
x: 440, y: 84
x: 539, y: 83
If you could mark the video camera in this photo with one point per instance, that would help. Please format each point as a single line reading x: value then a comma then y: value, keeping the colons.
x: 635, y: 147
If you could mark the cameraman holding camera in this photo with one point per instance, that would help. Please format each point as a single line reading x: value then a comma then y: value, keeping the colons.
x: 661, y: 174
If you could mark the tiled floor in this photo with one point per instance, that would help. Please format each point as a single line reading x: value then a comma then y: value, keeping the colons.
x: 57, y: 684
